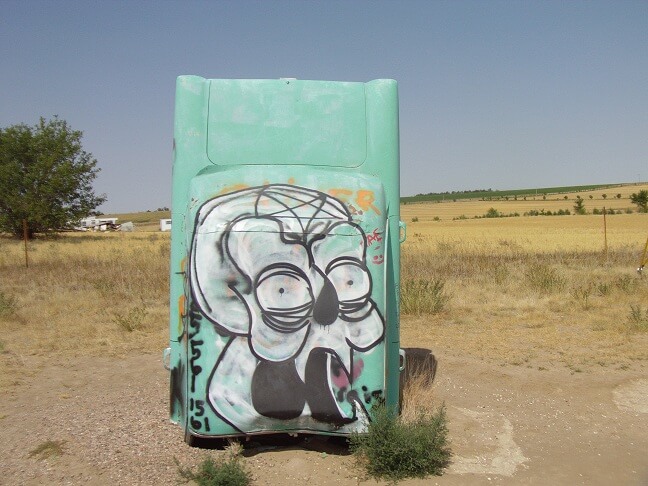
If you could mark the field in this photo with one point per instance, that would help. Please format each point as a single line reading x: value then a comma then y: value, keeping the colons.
x: 535, y: 300
x: 505, y: 194
x: 453, y: 208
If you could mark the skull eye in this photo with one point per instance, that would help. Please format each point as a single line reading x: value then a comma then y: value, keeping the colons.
x: 284, y: 294
x: 352, y: 283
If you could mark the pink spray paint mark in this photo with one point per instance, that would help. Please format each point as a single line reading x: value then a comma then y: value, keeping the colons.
x: 342, y: 380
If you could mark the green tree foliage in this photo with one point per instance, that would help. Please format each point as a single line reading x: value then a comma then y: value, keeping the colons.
x: 579, y: 207
x: 45, y: 177
x: 641, y: 200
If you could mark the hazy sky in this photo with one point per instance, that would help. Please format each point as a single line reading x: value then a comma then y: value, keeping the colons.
x: 492, y: 94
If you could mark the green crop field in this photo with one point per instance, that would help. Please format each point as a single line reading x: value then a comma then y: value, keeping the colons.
x: 489, y: 194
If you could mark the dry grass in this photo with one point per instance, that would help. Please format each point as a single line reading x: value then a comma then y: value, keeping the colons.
x: 70, y: 299
x: 418, y: 395
x: 539, y: 234
x: 533, y: 291
x: 522, y: 299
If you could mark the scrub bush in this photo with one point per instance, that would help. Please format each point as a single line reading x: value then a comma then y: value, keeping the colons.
x: 393, y: 449
x: 210, y: 473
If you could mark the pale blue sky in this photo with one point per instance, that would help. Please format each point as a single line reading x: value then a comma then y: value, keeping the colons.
x: 505, y: 94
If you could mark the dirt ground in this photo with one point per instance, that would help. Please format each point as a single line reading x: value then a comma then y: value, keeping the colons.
x: 508, y: 425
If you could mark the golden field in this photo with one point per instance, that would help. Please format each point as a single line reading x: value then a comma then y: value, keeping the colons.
x: 449, y: 209
x: 538, y: 292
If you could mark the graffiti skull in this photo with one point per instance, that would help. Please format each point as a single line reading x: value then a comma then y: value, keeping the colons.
x: 282, y: 270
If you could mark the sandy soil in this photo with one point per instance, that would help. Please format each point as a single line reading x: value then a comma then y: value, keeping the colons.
x: 509, y: 425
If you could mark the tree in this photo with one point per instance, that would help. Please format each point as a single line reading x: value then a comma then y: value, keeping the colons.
x: 641, y: 200
x: 579, y: 207
x: 45, y: 177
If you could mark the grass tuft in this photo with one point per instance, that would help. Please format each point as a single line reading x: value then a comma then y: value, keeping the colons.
x: 638, y: 318
x: 544, y: 279
x: 50, y: 448
x: 581, y: 294
x: 423, y: 296
x: 7, y: 304
x: 229, y: 472
x: 131, y: 321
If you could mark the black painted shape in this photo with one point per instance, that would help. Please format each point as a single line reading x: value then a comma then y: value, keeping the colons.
x: 176, y: 388
x: 327, y: 305
x: 318, y: 393
x: 277, y: 390
x: 419, y: 363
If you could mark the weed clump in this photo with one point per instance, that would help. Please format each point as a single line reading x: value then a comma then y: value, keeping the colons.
x: 47, y: 449
x: 581, y: 294
x: 210, y: 473
x: 638, y: 318
x: 133, y: 320
x: 423, y: 296
x: 393, y: 449
x: 544, y: 279
x: 7, y: 305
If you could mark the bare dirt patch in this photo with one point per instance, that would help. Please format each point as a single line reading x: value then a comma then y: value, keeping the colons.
x: 508, y: 425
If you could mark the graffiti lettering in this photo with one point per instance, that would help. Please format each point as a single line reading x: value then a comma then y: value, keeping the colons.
x: 197, y: 419
x: 195, y: 355
x: 282, y: 271
x: 363, y: 198
x: 373, y: 237
x: 341, y: 194
x: 232, y: 188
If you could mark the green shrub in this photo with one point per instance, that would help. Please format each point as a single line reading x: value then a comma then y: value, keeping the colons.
x: 210, y: 473
x: 579, y: 207
x: 415, y: 219
x: 492, y: 213
x: 394, y: 450
x: 423, y: 296
x: 641, y: 200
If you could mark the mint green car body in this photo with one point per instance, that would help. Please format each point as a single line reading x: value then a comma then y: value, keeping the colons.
x: 284, y: 256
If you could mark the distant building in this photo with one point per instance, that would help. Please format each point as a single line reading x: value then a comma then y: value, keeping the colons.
x: 95, y: 223
x: 165, y: 225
